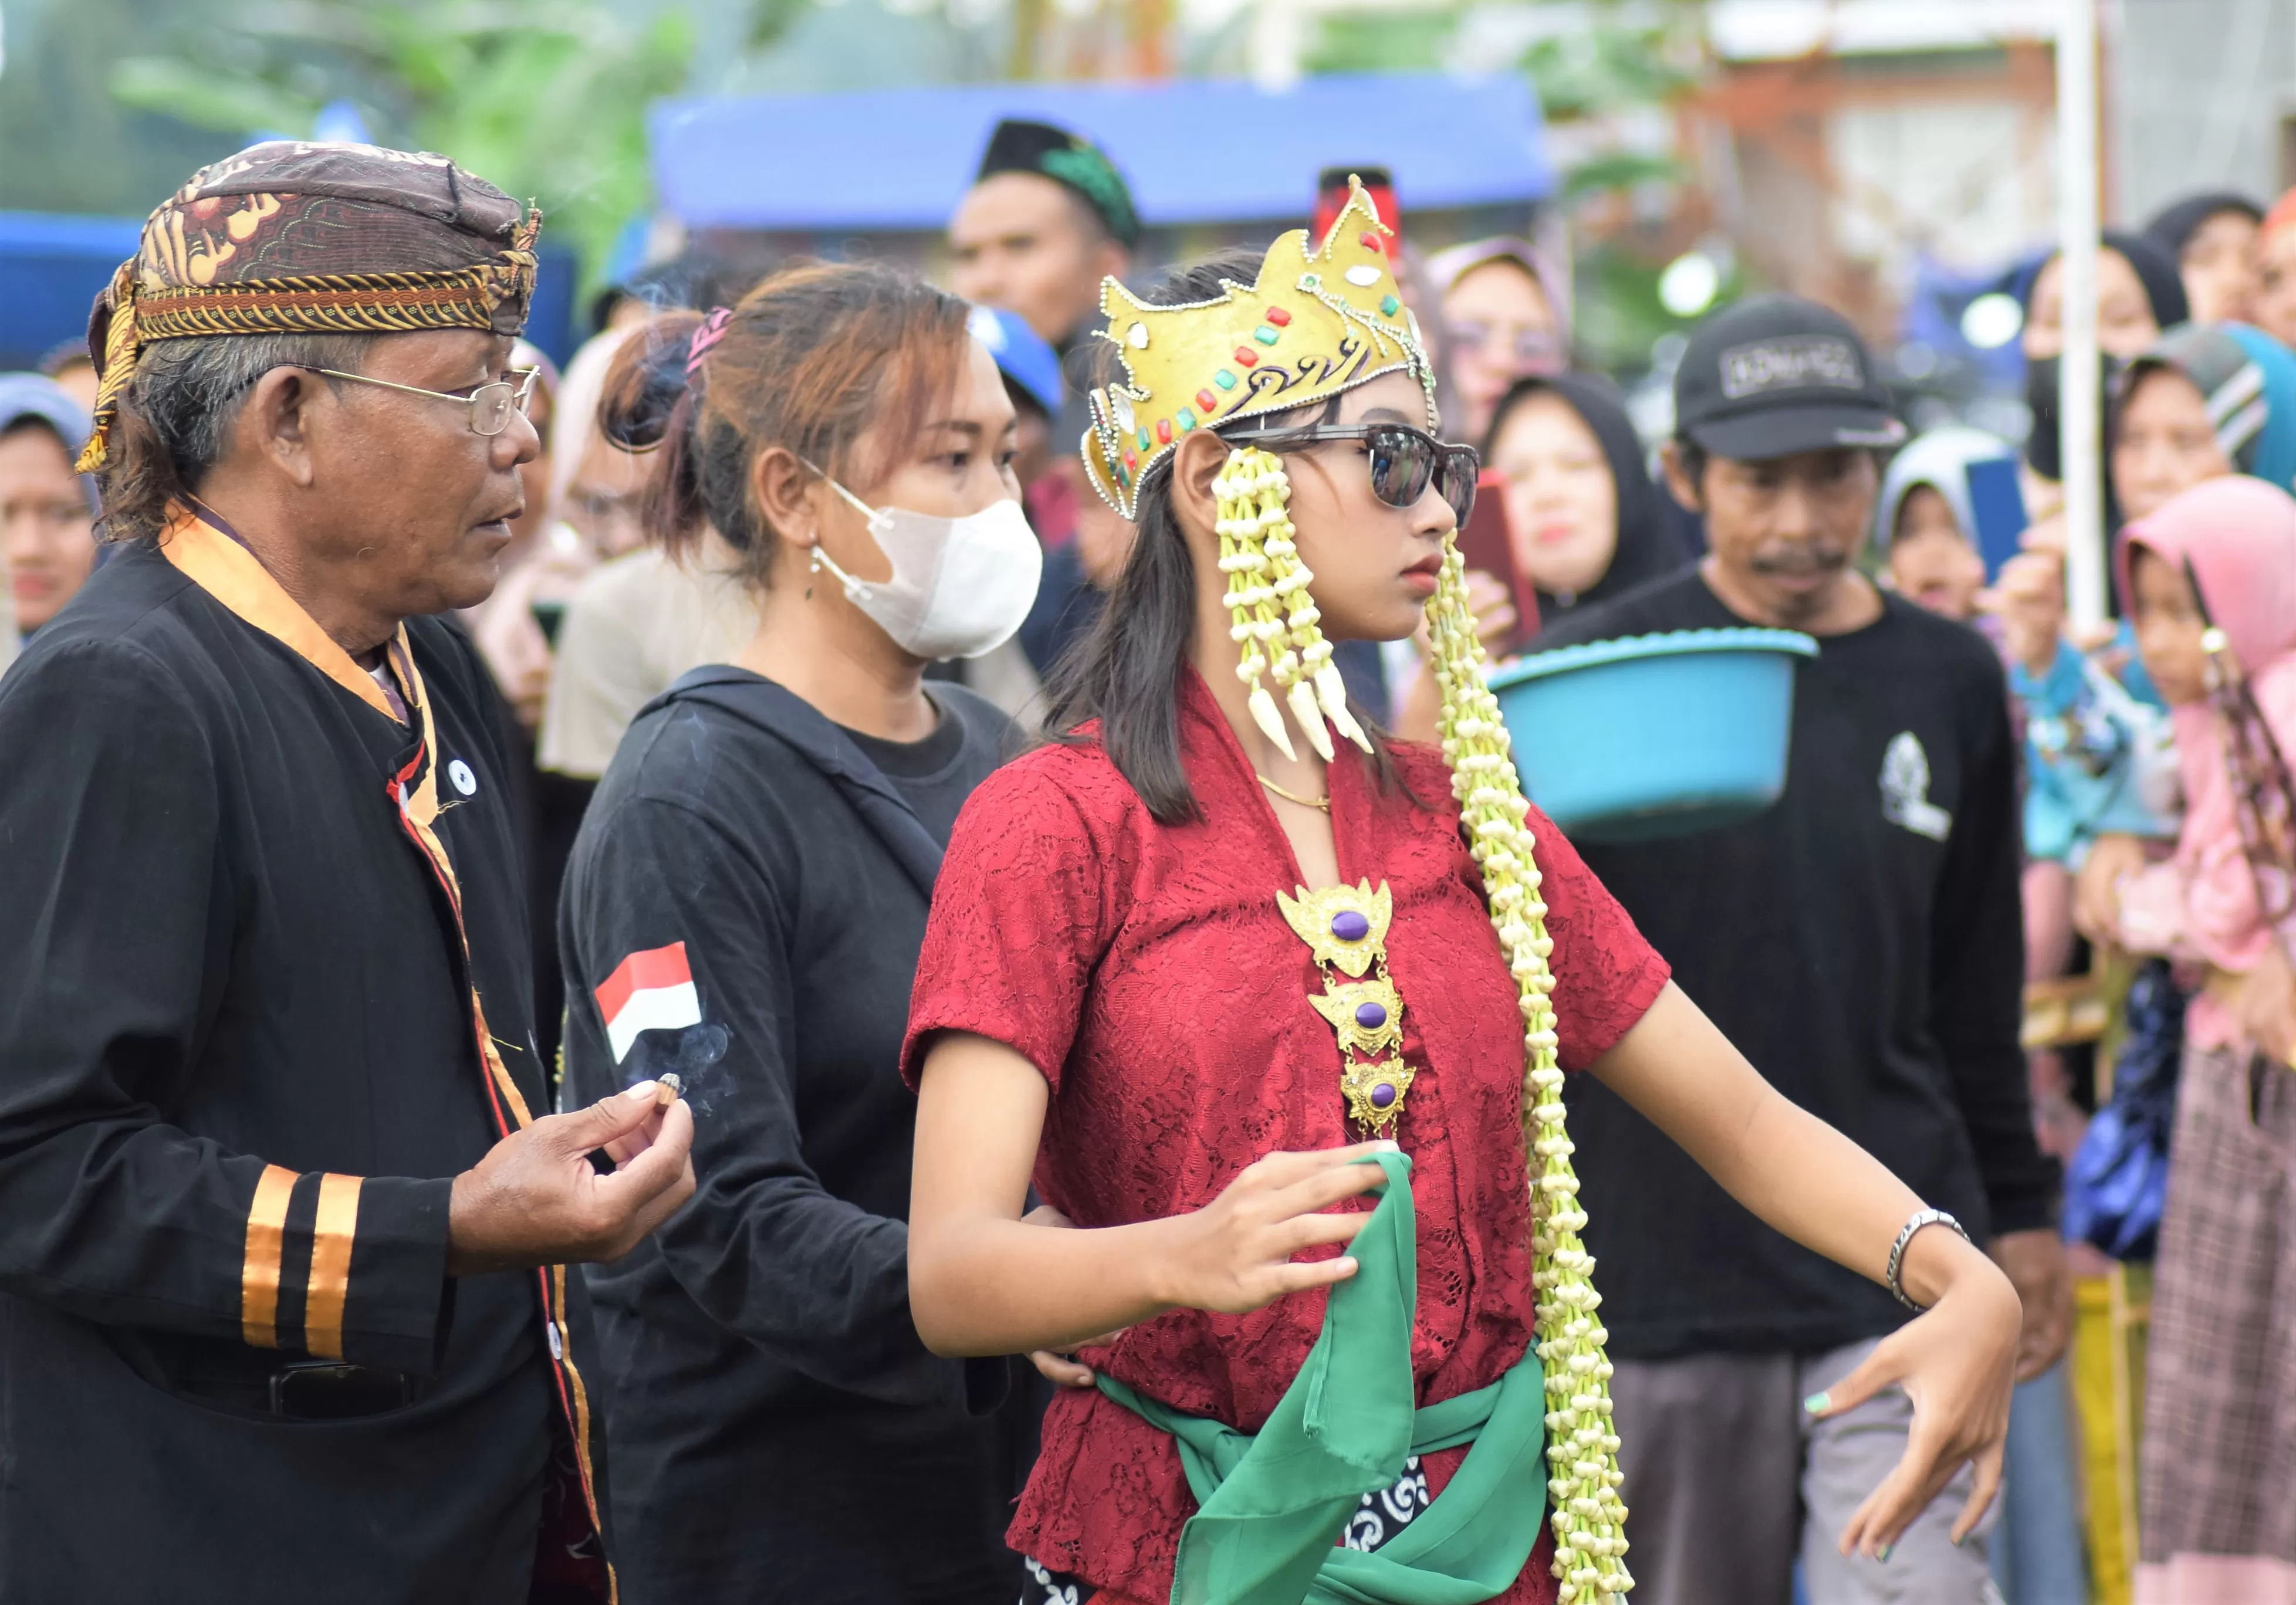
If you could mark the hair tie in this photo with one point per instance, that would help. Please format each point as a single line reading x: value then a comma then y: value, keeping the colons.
x: 713, y: 329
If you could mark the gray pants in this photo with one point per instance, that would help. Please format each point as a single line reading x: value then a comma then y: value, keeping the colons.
x: 1729, y: 1482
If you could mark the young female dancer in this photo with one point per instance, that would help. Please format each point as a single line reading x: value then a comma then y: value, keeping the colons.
x: 1181, y: 959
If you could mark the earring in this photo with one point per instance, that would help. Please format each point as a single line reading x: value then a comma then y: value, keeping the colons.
x: 1261, y: 510
x: 812, y: 570
x: 1250, y: 600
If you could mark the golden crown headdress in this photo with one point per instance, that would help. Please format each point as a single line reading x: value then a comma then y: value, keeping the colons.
x: 1316, y: 322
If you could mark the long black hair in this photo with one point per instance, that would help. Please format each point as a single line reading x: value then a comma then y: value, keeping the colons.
x: 1127, y: 672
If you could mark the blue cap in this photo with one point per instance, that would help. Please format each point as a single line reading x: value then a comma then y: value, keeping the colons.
x: 1022, y: 355
x: 36, y: 395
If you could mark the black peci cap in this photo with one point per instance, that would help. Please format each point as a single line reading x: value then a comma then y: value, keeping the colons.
x: 1018, y: 145
x: 1776, y: 374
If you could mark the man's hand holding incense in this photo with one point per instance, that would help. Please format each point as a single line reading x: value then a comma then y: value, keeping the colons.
x: 536, y: 1198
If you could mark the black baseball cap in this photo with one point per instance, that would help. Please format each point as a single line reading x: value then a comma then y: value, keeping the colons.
x: 1776, y: 374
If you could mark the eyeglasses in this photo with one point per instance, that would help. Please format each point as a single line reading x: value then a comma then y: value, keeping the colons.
x: 1403, y: 461
x: 1520, y: 342
x: 491, y: 403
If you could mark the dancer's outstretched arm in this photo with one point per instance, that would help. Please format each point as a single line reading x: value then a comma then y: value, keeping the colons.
x: 981, y: 1281
x: 1809, y: 1182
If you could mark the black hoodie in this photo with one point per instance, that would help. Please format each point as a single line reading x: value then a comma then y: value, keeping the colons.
x: 774, y: 1416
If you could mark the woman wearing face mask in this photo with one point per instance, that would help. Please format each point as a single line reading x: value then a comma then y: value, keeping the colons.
x: 1220, y: 961
x: 2217, y: 1499
x: 744, y: 911
x: 2138, y: 294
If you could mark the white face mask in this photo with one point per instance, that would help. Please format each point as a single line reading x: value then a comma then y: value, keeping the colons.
x: 960, y: 586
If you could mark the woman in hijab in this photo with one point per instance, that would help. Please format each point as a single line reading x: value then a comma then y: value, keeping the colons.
x: 48, y: 508
x: 2212, y: 236
x: 1584, y: 519
x: 1925, y: 523
x: 1506, y: 314
x: 2218, y: 1497
x: 2198, y: 403
x: 2138, y: 294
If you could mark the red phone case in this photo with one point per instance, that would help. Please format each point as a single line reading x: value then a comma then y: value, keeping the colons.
x: 1485, y: 544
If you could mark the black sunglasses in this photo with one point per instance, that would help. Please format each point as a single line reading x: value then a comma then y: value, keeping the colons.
x: 1403, y: 461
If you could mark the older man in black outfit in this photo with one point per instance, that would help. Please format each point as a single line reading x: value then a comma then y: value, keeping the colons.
x: 283, y: 1215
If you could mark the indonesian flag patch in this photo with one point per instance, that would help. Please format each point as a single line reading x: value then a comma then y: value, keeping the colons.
x: 649, y: 991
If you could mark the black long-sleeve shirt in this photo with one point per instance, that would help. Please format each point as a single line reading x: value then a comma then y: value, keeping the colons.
x: 263, y: 992
x: 759, y: 1349
x: 1861, y: 943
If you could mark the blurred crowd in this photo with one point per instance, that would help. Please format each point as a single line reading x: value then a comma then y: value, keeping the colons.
x: 2020, y: 922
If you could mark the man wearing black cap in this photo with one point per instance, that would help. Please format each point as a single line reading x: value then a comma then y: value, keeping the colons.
x: 1047, y: 218
x: 285, y: 1219
x: 1861, y: 939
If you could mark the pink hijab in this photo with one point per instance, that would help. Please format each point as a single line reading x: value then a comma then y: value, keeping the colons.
x: 2239, y: 534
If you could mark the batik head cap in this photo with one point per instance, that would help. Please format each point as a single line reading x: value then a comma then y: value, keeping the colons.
x: 1319, y: 320
x: 292, y: 236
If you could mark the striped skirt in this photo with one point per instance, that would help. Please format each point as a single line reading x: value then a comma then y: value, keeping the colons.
x: 2217, y: 1513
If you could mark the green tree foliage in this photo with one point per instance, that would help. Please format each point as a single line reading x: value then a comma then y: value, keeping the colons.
x: 545, y: 98
x: 65, y: 145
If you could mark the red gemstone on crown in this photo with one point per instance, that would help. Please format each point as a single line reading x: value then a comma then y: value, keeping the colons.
x: 1278, y: 316
x: 1245, y: 357
x: 1207, y: 401
x: 1371, y: 242
x: 1164, y: 432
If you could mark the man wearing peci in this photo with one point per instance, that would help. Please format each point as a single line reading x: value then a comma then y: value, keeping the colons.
x: 284, y: 1216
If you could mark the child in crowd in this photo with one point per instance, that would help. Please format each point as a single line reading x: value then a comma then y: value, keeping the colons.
x: 2211, y: 579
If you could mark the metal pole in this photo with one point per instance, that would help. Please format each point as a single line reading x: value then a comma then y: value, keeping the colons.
x: 2080, y: 377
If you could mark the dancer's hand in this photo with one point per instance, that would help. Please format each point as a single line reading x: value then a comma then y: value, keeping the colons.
x: 1234, y: 1254
x: 1957, y: 1363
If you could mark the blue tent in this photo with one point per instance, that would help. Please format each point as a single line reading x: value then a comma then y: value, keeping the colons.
x: 1193, y: 151
x: 52, y: 267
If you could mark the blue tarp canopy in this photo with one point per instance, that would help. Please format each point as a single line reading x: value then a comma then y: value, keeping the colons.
x: 52, y: 267
x: 1193, y: 151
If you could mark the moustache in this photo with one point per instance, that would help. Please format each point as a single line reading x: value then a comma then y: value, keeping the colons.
x: 1799, y: 561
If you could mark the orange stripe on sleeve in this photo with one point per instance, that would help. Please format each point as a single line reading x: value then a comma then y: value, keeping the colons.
x: 258, y: 1277
x: 332, y: 1233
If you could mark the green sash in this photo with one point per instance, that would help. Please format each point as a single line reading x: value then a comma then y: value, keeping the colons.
x: 1271, y: 1507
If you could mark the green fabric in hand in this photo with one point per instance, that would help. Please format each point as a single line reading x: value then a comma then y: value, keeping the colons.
x: 1272, y: 1505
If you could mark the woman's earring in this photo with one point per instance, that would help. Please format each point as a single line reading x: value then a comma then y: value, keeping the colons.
x: 1251, y: 599
x: 810, y: 572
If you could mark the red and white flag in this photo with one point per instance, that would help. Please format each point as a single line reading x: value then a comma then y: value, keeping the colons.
x: 649, y: 991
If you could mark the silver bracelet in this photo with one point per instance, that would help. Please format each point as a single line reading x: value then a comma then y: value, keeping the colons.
x: 1920, y: 1218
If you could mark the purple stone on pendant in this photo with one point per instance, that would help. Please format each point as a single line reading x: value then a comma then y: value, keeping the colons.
x: 1371, y: 1017
x: 1382, y: 1095
x: 1350, y: 926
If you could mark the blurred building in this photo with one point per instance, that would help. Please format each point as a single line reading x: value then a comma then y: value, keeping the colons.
x: 2198, y: 95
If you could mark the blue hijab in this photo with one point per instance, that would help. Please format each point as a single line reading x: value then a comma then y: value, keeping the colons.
x: 35, y: 397
x: 2248, y: 381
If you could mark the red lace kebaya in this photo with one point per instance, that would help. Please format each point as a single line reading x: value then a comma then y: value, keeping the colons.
x: 1147, y: 971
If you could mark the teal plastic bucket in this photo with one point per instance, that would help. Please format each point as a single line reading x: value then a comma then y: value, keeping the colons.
x: 1655, y: 735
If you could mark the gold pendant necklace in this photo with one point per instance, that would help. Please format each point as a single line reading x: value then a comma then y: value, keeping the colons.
x: 1345, y: 927
x: 1325, y: 803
